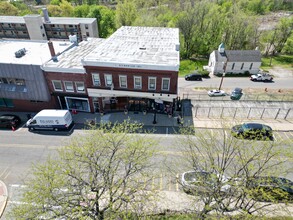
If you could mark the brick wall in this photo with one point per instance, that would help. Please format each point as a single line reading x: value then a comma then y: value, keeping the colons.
x: 130, y: 80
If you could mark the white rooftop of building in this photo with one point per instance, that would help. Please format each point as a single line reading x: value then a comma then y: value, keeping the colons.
x: 37, y: 52
x: 53, y: 20
x: 138, y: 47
x: 70, y: 60
x: 64, y: 20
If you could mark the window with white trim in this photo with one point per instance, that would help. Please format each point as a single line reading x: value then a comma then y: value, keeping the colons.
x: 137, y: 82
x: 152, y: 83
x: 96, y: 79
x: 57, y: 85
x: 108, y: 80
x: 79, y: 86
x: 68, y: 86
x: 123, y: 81
x: 166, y: 84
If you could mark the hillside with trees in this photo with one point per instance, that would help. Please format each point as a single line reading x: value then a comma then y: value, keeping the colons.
x: 240, y: 24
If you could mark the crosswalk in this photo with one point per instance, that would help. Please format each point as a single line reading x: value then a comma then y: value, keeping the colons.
x: 4, y: 173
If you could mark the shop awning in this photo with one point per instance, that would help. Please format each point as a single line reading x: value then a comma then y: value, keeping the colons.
x: 122, y: 93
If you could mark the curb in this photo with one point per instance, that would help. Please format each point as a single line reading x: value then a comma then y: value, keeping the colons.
x: 3, y: 197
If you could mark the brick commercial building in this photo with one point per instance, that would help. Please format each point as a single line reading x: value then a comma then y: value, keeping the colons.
x: 136, y: 69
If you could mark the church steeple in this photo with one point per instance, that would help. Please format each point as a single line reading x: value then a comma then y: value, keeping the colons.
x: 221, y: 48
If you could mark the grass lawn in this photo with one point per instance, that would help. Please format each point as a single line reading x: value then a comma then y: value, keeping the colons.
x: 189, y: 66
x: 285, y: 61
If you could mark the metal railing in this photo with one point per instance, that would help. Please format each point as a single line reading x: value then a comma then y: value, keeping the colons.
x: 242, y: 112
x: 245, y: 97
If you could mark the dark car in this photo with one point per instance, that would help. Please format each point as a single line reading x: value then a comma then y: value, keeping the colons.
x: 253, y: 131
x: 236, y: 94
x: 193, y: 77
x: 270, y: 189
x: 9, y: 121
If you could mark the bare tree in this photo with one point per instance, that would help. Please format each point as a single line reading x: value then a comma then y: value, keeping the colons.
x: 230, y: 165
x: 96, y: 175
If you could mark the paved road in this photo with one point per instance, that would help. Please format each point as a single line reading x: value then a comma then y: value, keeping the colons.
x: 230, y: 83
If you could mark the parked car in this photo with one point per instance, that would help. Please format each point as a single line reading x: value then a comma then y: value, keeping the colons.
x: 236, y: 94
x: 216, y: 92
x: 9, y: 121
x: 271, y: 189
x: 264, y: 77
x: 193, y: 77
x: 198, y: 182
x: 253, y: 131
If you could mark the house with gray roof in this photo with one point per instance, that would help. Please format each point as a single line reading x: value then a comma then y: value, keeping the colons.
x: 234, y: 61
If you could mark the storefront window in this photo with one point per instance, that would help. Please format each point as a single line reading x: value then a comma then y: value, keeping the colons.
x: 77, y: 104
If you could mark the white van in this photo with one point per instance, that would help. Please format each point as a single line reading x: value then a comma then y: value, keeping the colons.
x: 51, y: 119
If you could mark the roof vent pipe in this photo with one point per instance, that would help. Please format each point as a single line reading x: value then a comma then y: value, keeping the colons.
x: 46, y: 15
x: 51, y: 48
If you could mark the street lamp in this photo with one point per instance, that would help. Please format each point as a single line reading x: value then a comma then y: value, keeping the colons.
x: 155, y: 116
x: 224, y: 73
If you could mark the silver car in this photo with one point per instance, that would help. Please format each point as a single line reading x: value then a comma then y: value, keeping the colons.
x: 200, y: 182
x: 216, y: 92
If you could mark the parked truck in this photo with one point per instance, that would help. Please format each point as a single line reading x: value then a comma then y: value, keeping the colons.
x: 51, y: 119
x: 262, y: 77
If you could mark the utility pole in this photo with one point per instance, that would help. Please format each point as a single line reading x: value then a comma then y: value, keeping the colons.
x: 224, y: 73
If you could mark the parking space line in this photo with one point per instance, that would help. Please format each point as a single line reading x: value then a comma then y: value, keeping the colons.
x: 177, y: 182
x: 161, y: 182
x: 4, y: 171
x: 285, y: 133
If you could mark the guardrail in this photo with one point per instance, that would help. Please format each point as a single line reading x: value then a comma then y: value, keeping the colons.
x: 246, y: 97
x: 242, y: 112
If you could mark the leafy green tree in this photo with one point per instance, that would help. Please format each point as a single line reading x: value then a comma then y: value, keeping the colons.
x: 97, y: 175
x: 55, y: 2
x: 105, y: 18
x: 232, y: 163
x: 285, y: 30
x: 66, y: 8
x: 126, y: 13
x: 276, y: 39
x: 81, y: 11
x: 288, y: 47
x: 54, y: 10
x: 22, y: 8
x: 8, y: 9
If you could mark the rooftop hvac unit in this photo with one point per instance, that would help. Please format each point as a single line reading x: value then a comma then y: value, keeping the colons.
x: 73, y: 39
x: 20, y: 53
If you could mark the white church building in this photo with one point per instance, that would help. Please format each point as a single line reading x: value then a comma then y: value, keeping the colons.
x: 233, y: 61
